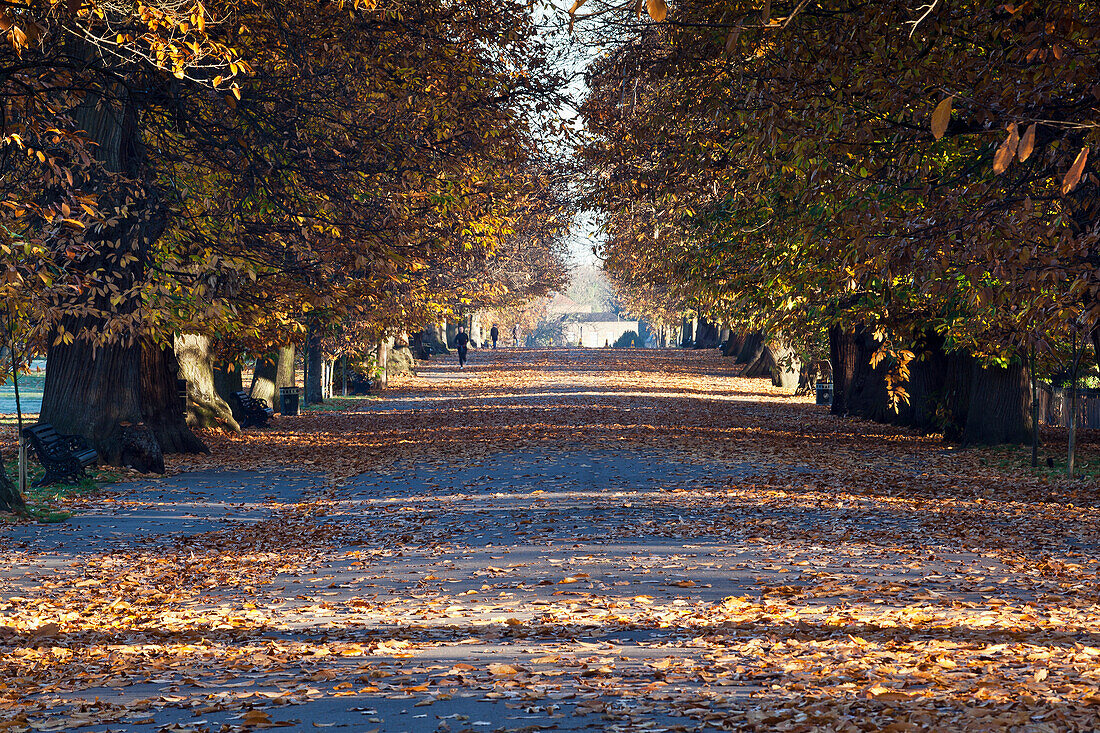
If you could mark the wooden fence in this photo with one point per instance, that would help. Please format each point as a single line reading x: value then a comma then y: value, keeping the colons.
x: 1054, y: 407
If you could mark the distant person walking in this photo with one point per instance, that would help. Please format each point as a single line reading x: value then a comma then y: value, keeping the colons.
x: 462, y: 342
x: 515, y: 335
x: 494, y: 334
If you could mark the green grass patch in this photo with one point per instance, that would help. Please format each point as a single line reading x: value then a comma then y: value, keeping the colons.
x: 1051, y: 465
x: 42, y: 501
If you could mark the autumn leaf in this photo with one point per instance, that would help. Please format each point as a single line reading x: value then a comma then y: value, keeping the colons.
x: 657, y: 9
x: 1027, y: 143
x: 941, y: 116
x: 1073, y: 175
x: 1007, y: 151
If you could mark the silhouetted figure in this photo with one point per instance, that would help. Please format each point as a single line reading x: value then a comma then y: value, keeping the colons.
x: 462, y: 343
x: 494, y: 334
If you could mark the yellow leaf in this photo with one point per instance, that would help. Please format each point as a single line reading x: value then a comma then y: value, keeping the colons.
x: 940, y: 117
x: 657, y: 9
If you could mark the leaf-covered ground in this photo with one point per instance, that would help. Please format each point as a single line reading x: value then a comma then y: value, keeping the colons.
x: 579, y: 540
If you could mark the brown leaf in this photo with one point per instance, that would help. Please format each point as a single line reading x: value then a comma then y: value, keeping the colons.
x: 940, y: 117
x: 1073, y: 176
x: 504, y: 670
x: 657, y: 9
x: 1027, y: 143
x: 1007, y: 151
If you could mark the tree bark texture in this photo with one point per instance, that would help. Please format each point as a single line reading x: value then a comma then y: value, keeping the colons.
x: 999, y: 410
x: 96, y: 393
x: 927, y: 377
x: 843, y: 352
x: 94, y: 390
x: 160, y: 402
x: 751, y: 348
x: 706, y: 334
x: 787, y: 365
x: 206, y: 408
x: 228, y: 378
x: 263, y: 379
x: 382, y: 355
x: 734, y: 343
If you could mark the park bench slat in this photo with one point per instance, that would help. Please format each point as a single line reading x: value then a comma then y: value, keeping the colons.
x: 62, y: 456
x: 256, y: 412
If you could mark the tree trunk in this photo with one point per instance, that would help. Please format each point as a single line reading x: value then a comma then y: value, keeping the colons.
x: 868, y: 395
x: 228, y: 378
x: 927, y: 376
x: 94, y: 390
x: 953, y: 408
x: 843, y: 353
x: 314, y: 362
x: 734, y: 343
x: 160, y: 402
x: 787, y: 366
x: 763, y: 365
x: 10, y: 498
x: 263, y: 379
x: 998, y: 410
x: 206, y: 408
x: 1033, y: 381
x: 382, y: 355
x: 751, y: 349
x: 686, y: 335
x: 285, y: 374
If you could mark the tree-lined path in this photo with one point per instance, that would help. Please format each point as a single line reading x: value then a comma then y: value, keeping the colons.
x: 571, y: 540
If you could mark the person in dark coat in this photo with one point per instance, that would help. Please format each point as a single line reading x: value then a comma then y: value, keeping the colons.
x: 494, y: 334
x: 462, y: 343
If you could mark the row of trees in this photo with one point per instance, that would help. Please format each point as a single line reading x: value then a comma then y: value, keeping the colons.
x: 182, y: 183
x: 911, y: 184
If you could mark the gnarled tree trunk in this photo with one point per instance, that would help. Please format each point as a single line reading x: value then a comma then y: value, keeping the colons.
x: 205, y: 406
x: 787, y: 366
x: 751, y: 349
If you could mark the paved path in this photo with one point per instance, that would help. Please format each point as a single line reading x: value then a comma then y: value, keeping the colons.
x: 564, y: 586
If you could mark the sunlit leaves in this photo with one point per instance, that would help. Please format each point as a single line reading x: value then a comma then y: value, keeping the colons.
x: 657, y: 9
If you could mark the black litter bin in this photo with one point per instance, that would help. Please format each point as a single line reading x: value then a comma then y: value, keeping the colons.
x: 288, y: 399
x: 824, y: 393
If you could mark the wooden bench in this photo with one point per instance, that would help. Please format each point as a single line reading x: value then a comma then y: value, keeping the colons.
x: 255, y: 412
x: 63, y: 456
